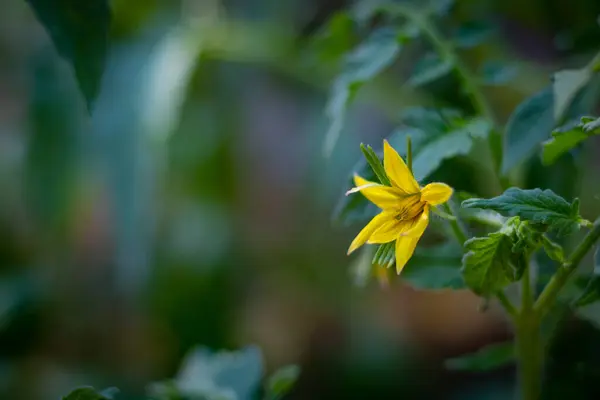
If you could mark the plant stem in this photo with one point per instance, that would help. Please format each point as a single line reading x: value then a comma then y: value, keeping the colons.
x: 529, y: 345
x: 507, y: 305
x: 459, y: 230
x: 552, y: 289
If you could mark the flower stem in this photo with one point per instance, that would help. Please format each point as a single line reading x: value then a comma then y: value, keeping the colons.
x: 459, y: 230
x: 552, y: 289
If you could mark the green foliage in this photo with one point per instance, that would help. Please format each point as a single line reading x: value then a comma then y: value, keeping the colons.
x: 496, y: 73
x: 89, y: 393
x: 215, y: 376
x: 566, y: 85
x: 282, y: 381
x: 437, y: 136
x: 435, y: 268
x: 366, y: 61
x: 535, y: 205
x: 472, y: 34
x: 591, y: 293
x: 567, y: 137
x: 429, y: 69
x: 486, y: 359
x: 490, y: 264
x: 79, y: 30
x: 529, y: 124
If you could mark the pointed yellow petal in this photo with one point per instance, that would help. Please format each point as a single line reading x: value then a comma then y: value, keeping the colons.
x: 397, y: 171
x: 419, y: 226
x: 388, y: 231
x: 407, y: 241
x: 380, y: 195
x: 436, y: 193
x: 368, y: 230
x: 405, y: 247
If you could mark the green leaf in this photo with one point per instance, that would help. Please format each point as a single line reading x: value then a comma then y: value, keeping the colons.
x: 216, y: 376
x: 566, y: 138
x: 430, y: 68
x: 497, y: 73
x: 553, y: 249
x: 370, y: 58
x: 566, y: 85
x: 535, y: 205
x: 591, y: 293
x: 471, y: 34
x: 56, y: 117
x: 529, y: 125
x: 486, y: 359
x: 435, y: 268
x: 431, y: 146
x: 336, y: 39
x: 89, y: 393
x: 489, y: 264
x: 79, y: 30
x: 282, y: 381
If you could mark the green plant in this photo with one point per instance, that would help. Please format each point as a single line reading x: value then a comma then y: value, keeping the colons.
x: 512, y: 227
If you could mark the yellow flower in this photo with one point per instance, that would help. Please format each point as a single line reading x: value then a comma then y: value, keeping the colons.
x: 405, y: 207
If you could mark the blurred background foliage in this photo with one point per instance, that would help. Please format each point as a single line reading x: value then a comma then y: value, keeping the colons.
x: 190, y: 203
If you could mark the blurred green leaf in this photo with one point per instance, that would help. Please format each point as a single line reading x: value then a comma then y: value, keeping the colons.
x: 486, y: 359
x: 216, y: 376
x: 488, y: 265
x: 79, y: 30
x: 497, y: 73
x: 471, y: 34
x: 529, y: 125
x: 435, y: 268
x: 337, y: 37
x: 366, y: 61
x: 282, y: 381
x: 591, y: 293
x: 56, y: 115
x: 565, y: 86
x: 567, y: 137
x: 538, y: 206
x: 89, y: 393
x: 453, y: 138
x: 430, y: 68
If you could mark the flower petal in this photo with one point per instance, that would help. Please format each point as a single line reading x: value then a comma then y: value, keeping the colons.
x: 389, y: 231
x: 407, y: 241
x: 368, y: 230
x: 380, y: 195
x: 419, y: 226
x: 405, y: 247
x: 397, y: 171
x: 436, y: 193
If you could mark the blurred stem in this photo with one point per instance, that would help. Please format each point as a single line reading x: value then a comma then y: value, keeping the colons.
x: 459, y: 230
x: 507, y: 305
x: 550, y: 293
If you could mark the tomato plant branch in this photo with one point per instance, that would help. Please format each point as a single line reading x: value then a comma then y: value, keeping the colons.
x: 560, y: 278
